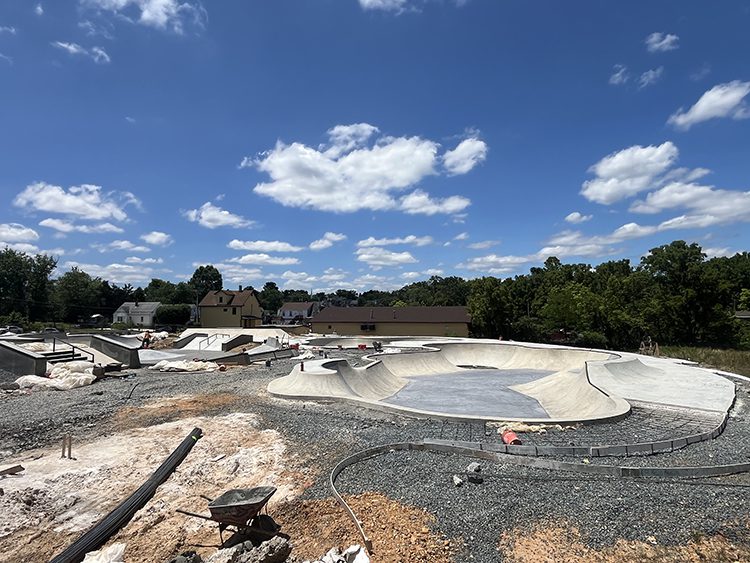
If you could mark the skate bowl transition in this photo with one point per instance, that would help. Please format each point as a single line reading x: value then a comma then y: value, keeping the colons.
x: 507, y: 381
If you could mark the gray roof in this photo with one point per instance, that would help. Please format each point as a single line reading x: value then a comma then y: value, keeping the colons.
x: 139, y: 308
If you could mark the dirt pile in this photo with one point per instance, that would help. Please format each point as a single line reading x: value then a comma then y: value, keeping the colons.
x: 398, y: 532
x: 557, y: 542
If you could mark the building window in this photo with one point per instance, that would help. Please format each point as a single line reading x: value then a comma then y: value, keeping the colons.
x: 141, y: 319
x: 366, y: 328
x: 234, y: 310
x: 221, y: 299
x: 225, y: 310
x: 329, y: 327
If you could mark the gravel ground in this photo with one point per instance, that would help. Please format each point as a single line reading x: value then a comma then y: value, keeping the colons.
x: 605, y: 509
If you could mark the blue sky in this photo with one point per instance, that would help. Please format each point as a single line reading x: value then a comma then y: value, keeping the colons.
x: 370, y: 143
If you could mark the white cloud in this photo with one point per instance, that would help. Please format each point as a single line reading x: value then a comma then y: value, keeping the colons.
x: 420, y: 203
x: 717, y: 252
x: 577, y: 217
x: 7, y: 59
x: 39, y: 10
x: 378, y: 257
x: 64, y: 226
x: 660, y: 42
x: 138, y: 260
x: 85, y: 201
x: 263, y: 246
x: 619, y: 75
x: 385, y: 5
x: 327, y: 241
x: 211, y: 217
x: 117, y: 273
x: 97, y: 54
x: 235, y: 273
x: 410, y: 239
x: 355, y: 170
x: 411, y: 275
x: 7, y: 29
x: 121, y: 245
x: 161, y: 14
x: 701, y: 73
x: 157, y: 238
x: 627, y: 172
x: 723, y: 100
x: 650, y: 77
x: 484, y: 244
x: 465, y: 156
x: 461, y: 236
x: 495, y: 264
x: 312, y: 282
x: 434, y: 272
x: 15, y: 232
x: 264, y: 259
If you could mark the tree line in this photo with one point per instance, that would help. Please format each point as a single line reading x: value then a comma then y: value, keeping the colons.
x: 675, y: 295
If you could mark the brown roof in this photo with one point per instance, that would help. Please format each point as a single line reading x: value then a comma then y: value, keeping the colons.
x: 231, y: 298
x: 393, y: 315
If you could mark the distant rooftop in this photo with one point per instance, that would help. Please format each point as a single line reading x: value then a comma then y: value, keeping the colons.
x: 394, y: 315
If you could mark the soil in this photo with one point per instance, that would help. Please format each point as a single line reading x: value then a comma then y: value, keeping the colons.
x: 401, y: 532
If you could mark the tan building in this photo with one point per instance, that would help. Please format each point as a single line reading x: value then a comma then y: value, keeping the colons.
x: 227, y: 308
x: 393, y: 321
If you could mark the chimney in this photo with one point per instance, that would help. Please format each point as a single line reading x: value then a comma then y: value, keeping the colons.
x: 240, y: 287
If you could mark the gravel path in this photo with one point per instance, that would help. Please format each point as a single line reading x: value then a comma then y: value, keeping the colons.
x: 321, y: 434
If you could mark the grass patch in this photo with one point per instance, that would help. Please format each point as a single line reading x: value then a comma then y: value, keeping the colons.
x: 736, y: 361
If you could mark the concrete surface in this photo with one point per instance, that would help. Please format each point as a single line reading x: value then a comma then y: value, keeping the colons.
x: 575, y: 385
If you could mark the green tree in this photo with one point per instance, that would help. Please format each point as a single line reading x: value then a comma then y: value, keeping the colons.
x: 490, y: 308
x: 25, y: 284
x: 76, y: 295
x: 270, y: 298
x: 172, y: 314
x: 205, y: 279
x: 161, y: 291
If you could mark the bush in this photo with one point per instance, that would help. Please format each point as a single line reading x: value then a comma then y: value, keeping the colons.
x: 591, y: 339
x: 172, y: 315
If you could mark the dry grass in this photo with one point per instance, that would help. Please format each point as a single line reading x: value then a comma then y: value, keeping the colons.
x: 736, y: 361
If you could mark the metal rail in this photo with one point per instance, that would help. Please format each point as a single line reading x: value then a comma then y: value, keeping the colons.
x: 209, y: 340
x: 73, y: 348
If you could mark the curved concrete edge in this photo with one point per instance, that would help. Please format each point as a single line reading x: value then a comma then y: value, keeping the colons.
x: 552, y: 465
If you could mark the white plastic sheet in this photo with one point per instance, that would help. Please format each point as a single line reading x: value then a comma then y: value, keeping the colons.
x: 185, y: 365
x: 114, y: 553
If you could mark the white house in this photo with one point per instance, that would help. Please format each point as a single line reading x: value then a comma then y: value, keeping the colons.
x: 138, y: 313
x: 303, y: 312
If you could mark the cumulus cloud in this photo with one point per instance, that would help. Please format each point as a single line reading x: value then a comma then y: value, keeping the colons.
x: 465, y: 156
x: 577, y: 217
x: 410, y: 239
x: 461, y: 236
x: 117, y: 273
x: 235, y: 273
x: 484, y: 244
x: 86, y: 201
x: 7, y: 29
x: 327, y: 241
x: 378, y: 257
x: 495, y: 264
x: 717, y: 252
x: 6, y: 58
x: 39, y: 10
x: 121, y: 245
x: 314, y: 282
x: 63, y: 226
x: 138, y: 260
x: 357, y: 169
x: 384, y: 5
x: 263, y: 245
x: 650, y: 77
x: 160, y: 14
x: 723, y: 100
x: 96, y: 54
x: 264, y: 259
x: 211, y: 217
x: 619, y: 75
x: 661, y: 42
x: 157, y: 238
x: 627, y: 172
x: 15, y: 232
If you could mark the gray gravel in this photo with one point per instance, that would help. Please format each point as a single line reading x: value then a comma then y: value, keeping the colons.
x: 605, y: 509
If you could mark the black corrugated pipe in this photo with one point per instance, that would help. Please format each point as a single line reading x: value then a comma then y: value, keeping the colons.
x: 120, y: 516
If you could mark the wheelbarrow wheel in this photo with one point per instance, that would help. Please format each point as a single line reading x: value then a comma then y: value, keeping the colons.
x: 266, y: 524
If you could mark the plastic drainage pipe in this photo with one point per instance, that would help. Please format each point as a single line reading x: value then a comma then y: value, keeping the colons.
x: 120, y: 516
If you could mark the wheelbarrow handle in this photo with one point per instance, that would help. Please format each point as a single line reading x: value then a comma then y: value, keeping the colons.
x: 192, y: 514
x: 209, y: 499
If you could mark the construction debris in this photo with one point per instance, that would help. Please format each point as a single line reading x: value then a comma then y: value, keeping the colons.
x: 114, y: 553
x: 185, y: 365
x: 63, y: 377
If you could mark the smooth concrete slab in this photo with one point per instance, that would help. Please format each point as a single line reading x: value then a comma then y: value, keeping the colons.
x: 473, y: 392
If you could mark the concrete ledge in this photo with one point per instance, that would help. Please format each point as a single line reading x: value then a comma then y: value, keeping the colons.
x: 21, y: 361
x: 127, y: 355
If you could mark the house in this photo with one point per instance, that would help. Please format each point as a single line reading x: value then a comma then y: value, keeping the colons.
x: 230, y: 308
x: 297, y: 313
x: 393, y: 321
x: 136, y: 313
x: 742, y: 315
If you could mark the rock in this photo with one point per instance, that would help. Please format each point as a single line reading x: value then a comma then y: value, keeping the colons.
x: 473, y: 467
x: 187, y: 557
x: 275, y: 550
x: 475, y: 478
x: 229, y: 555
x: 355, y: 554
x: 457, y: 481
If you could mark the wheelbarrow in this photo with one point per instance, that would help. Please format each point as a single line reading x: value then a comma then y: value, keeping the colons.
x: 241, y: 508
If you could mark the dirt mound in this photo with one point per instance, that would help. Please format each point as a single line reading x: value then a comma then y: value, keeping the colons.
x: 557, y: 542
x: 399, y: 532
x: 173, y: 408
